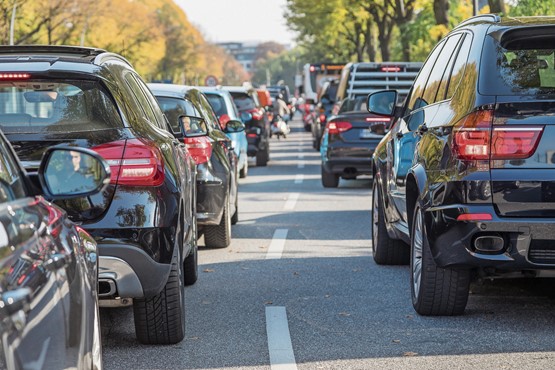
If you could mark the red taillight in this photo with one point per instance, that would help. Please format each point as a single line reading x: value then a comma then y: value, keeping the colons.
x: 472, y: 136
x: 378, y: 119
x: 515, y: 142
x: 256, y: 114
x: 14, y: 76
x: 322, y: 118
x: 252, y: 135
x: 336, y: 127
x: 133, y: 162
x: 474, y: 217
x: 312, y: 69
x: 391, y: 69
x: 200, y: 148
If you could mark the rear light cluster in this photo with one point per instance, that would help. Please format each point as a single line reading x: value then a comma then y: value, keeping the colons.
x: 391, y: 69
x: 475, y: 138
x: 256, y: 114
x: 200, y: 148
x: 337, y: 127
x: 14, y: 76
x: 133, y: 162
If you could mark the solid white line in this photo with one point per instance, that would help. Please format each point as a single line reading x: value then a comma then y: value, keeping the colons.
x: 282, y: 356
x: 300, y: 164
x: 277, y: 244
x: 299, y: 179
x: 291, y: 201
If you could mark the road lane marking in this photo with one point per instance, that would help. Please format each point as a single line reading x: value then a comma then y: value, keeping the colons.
x: 277, y: 244
x: 301, y: 155
x: 291, y: 201
x: 282, y: 356
x: 299, y: 179
x: 300, y: 164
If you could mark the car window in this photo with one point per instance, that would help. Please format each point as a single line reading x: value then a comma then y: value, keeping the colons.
x: 208, y: 112
x: 49, y: 106
x: 353, y: 105
x: 443, y: 60
x: 11, y: 184
x: 415, y: 101
x: 142, y: 97
x: 217, y: 103
x: 175, y: 107
x: 459, y: 67
x: 243, y: 101
x: 153, y: 105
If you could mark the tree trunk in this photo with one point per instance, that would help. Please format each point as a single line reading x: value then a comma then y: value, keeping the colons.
x: 497, y: 6
x: 441, y: 12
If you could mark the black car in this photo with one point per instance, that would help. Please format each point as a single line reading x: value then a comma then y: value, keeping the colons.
x: 466, y: 174
x: 349, y: 141
x: 256, y: 120
x: 144, y: 222
x: 48, y: 265
x: 217, y: 198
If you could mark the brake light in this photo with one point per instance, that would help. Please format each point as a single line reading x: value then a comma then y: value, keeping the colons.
x: 252, y: 135
x: 200, y: 148
x: 322, y: 118
x: 336, y: 127
x: 473, y: 135
x: 378, y: 119
x: 474, y: 217
x: 312, y: 69
x: 515, y: 142
x: 133, y: 162
x: 14, y: 76
x: 256, y: 114
x: 391, y: 69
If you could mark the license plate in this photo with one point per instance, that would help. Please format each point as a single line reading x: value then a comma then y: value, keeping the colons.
x: 368, y: 134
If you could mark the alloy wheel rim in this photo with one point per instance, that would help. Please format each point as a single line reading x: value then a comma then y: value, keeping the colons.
x: 417, y: 246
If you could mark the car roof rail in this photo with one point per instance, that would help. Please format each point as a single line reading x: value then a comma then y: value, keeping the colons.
x: 480, y: 18
x: 55, y: 50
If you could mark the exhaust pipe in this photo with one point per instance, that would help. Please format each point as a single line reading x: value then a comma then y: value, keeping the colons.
x: 106, y: 288
x: 489, y: 244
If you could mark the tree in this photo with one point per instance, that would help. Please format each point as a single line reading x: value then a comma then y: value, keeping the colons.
x: 497, y: 6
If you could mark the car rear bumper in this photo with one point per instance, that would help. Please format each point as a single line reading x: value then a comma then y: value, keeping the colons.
x: 349, y: 165
x: 527, y: 242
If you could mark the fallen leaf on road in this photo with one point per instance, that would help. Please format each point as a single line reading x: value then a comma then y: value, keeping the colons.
x: 244, y: 268
x: 409, y: 316
x: 409, y: 354
x: 208, y: 270
x: 194, y: 338
x: 268, y: 302
x: 345, y: 314
x: 296, y: 273
x: 327, y: 296
x: 396, y: 341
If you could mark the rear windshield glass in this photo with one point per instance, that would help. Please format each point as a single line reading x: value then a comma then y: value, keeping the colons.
x: 354, y: 105
x: 243, y: 101
x: 521, y: 62
x: 217, y: 103
x: 69, y: 106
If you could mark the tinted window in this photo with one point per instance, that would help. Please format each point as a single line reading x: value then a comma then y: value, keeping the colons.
x: 175, y: 107
x: 153, y: 105
x: 440, y: 65
x: 143, y: 99
x: 415, y: 100
x: 519, y: 64
x: 35, y: 106
x: 243, y: 101
x: 458, y: 67
x: 354, y: 105
x: 217, y: 103
x: 11, y: 186
x: 207, y: 111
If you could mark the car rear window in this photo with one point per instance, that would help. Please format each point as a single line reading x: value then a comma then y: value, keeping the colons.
x: 519, y: 62
x: 243, y: 101
x: 217, y: 103
x: 354, y: 105
x: 69, y: 106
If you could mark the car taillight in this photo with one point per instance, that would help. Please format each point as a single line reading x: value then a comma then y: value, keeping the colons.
x: 322, y: 118
x: 256, y: 114
x: 133, y: 162
x: 515, y: 142
x: 336, y: 127
x: 390, y: 69
x: 14, y: 76
x: 200, y: 148
x: 471, y: 137
x: 474, y: 138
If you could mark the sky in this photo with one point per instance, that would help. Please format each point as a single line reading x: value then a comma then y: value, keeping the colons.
x: 239, y: 20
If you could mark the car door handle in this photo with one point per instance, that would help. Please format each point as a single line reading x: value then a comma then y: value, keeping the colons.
x: 57, y: 261
x: 14, y: 301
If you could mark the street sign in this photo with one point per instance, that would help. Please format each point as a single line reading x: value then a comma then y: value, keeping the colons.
x: 210, y: 81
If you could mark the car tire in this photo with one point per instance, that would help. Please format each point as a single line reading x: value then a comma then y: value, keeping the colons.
x: 435, y: 291
x: 235, y: 217
x: 329, y: 180
x: 244, y: 171
x: 161, y: 319
x: 261, y: 158
x: 385, y: 250
x: 190, y: 265
x: 219, y: 236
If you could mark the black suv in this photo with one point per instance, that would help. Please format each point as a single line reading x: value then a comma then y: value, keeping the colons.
x: 217, y: 198
x: 466, y: 174
x: 144, y: 222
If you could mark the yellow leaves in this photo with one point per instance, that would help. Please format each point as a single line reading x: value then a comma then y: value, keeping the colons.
x: 438, y: 31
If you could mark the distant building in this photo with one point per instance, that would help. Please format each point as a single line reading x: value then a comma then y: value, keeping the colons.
x: 244, y: 53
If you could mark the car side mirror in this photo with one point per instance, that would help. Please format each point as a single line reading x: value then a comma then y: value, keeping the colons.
x: 70, y: 172
x: 382, y: 102
x: 192, y: 126
x: 234, y: 126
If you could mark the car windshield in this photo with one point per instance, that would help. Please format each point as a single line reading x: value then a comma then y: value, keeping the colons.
x: 519, y: 67
x: 354, y: 105
x: 36, y: 106
x: 243, y: 101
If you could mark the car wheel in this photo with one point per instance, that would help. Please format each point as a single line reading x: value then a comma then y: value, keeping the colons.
x: 435, y: 291
x: 190, y: 265
x: 219, y: 236
x: 385, y: 250
x: 329, y: 180
x: 161, y: 319
x: 261, y: 158
x: 244, y: 171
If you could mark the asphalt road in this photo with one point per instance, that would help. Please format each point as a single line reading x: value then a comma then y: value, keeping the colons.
x: 298, y: 289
